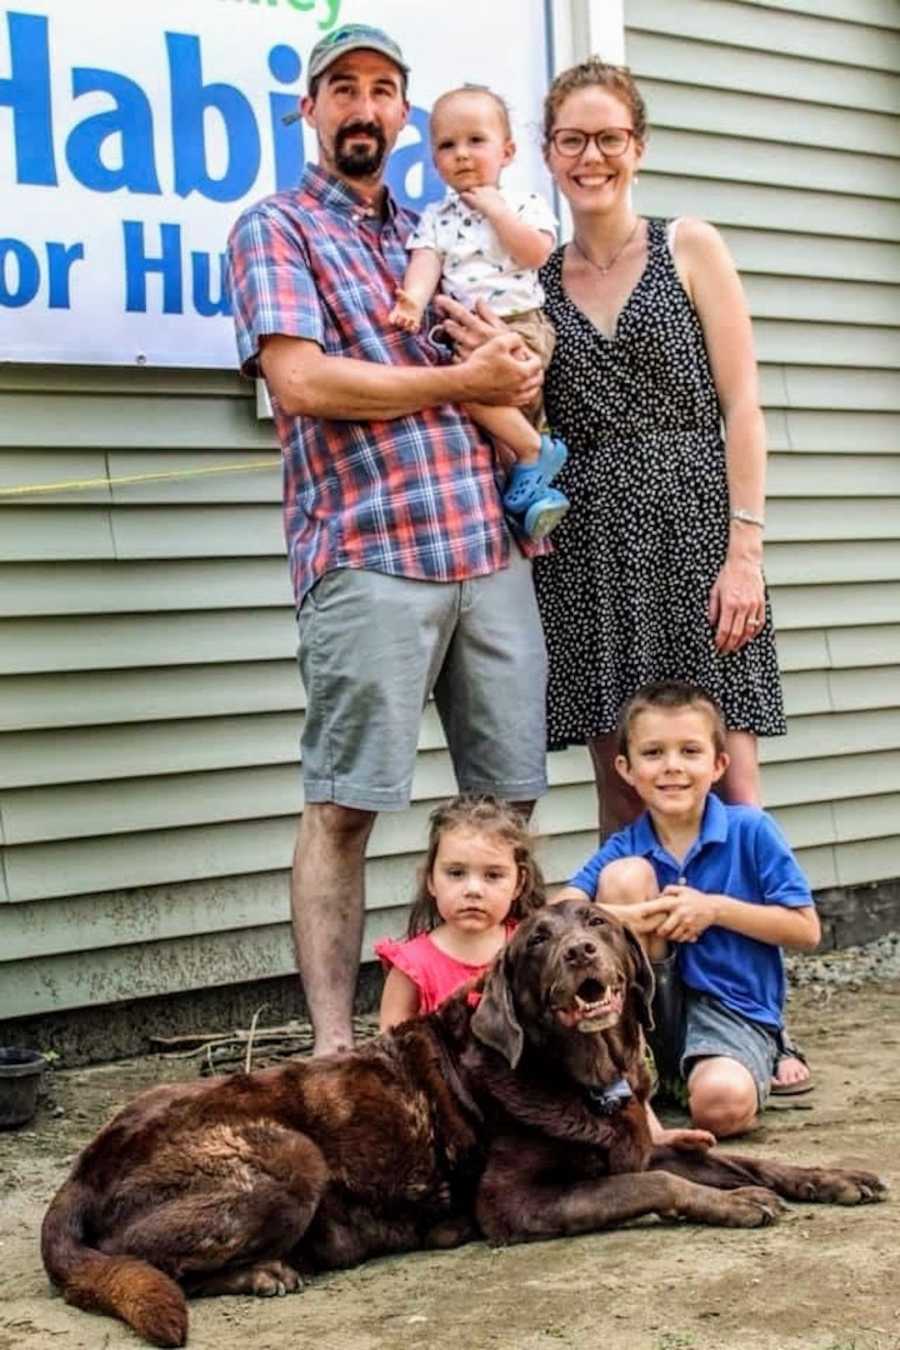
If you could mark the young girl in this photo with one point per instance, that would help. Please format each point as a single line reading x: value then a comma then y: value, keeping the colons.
x: 484, y: 243
x: 479, y: 879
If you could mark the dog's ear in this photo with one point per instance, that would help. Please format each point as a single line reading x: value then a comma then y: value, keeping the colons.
x: 494, y: 1021
x: 643, y: 982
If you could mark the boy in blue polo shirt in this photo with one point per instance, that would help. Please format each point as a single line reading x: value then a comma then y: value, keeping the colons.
x: 721, y: 885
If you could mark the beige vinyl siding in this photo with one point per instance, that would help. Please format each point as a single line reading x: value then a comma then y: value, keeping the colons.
x: 150, y: 707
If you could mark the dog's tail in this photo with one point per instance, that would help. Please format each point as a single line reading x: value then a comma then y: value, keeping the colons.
x: 149, y: 1301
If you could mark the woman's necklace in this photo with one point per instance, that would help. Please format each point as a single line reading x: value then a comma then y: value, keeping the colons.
x: 615, y: 257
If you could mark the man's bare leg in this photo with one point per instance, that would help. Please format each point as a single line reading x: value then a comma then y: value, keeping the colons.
x: 327, y: 911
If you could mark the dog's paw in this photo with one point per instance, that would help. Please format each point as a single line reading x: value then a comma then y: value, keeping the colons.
x: 842, y: 1186
x: 751, y: 1207
x: 272, y: 1279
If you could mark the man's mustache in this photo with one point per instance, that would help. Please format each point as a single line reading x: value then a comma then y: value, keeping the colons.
x: 359, y: 129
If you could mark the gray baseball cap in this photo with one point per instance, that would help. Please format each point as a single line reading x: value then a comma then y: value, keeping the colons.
x: 352, y: 37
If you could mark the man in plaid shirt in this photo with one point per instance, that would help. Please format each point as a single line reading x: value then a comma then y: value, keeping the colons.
x: 406, y: 579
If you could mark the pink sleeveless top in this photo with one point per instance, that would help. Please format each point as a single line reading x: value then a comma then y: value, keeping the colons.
x: 435, y: 974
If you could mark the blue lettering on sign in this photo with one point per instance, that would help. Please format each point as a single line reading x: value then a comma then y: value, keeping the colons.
x: 27, y: 92
x: 116, y: 150
x: 20, y: 273
x: 19, y: 282
x: 131, y: 119
x: 190, y: 99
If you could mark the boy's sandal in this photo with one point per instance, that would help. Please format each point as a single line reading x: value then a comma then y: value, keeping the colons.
x: 788, y: 1049
x: 530, y: 482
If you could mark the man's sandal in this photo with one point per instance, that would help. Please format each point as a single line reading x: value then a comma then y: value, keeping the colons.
x: 788, y: 1049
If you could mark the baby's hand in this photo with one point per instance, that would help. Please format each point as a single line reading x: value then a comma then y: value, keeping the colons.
x: 406, y: 314
x: 488, y: 200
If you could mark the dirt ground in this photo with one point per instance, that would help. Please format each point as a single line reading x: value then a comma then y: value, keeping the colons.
x: 822, y: 1279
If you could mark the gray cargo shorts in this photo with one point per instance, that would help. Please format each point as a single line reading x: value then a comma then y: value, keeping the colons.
x: 374, y: 647
x: 690, y: 1026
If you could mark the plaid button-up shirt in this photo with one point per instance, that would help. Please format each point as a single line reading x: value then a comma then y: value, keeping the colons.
x: 415, y: 496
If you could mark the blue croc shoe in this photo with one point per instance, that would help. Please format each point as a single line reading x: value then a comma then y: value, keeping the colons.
x: 530, y: 483
x: 545, y: 514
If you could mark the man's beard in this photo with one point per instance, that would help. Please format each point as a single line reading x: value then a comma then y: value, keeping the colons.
x: 360, y: 161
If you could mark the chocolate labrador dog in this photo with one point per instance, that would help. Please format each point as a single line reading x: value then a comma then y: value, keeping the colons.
x: 516, y: 1115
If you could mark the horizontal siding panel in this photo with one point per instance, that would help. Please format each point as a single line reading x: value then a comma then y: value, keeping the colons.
x: 44, y: 532
x: 868, y: 817
x: 805, y: 650
x: 140, y: 971
x: 39, y: 468
x: 858, y: 433
x: 813, y: 344
x: 816, y: 606
x: 136, y: 421
x: 35, y: 702
x: 147, y: 380
x: 817, y: 301
x: 789, y: 34
x: 774, y: 208
x: 788, y: 564
x: 135, y: 587
x: 855, y: 518
x: 174, y: 477
x: 868, y: 646
x: 79, y: 532
x: 860, y: 863
x: 834, y: 475
x: 830, y: 387
x: 776, y: 164
x: 113, y: 642
x: 840, y: 733
x: 827, y: 779
x: 718, y: 112
x: 883, y: 13
x: 679, y: 60
x: 89, y: 754
x: 808, y: 255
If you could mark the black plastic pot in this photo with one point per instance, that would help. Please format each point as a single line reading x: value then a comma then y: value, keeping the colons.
x: 20, y: 1076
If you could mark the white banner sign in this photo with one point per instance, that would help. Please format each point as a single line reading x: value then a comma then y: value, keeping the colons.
x: 134, y: 132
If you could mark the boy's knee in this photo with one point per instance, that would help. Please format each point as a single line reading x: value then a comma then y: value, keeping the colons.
x: 627, y: 881
x: 722, y: 1097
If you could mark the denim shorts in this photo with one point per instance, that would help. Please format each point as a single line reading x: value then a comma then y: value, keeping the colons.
x: 375, y: 647
x: 705, y: 1028
x: 712, y: 1029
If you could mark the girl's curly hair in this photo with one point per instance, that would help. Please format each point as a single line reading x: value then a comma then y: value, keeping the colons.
x: 482, y: 814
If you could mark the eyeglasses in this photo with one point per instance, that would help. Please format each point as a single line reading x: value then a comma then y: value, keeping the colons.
x: 611, y: 141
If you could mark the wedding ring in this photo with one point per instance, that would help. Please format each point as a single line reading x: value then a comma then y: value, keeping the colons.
x: 753, y: 623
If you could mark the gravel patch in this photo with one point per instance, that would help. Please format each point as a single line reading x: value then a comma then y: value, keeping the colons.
x: 873, y: 962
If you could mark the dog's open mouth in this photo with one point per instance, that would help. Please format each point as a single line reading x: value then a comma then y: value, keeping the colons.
x: 594, y: 1007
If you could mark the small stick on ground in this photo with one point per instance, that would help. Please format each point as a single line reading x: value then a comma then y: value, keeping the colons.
x: 253, y: 1023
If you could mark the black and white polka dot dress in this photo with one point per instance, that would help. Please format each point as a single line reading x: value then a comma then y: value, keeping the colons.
x: 624, y: 595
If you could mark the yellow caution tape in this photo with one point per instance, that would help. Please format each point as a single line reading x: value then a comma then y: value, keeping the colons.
x: 82, y: 484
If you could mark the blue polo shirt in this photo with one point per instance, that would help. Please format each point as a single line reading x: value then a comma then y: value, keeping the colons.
x: 740, y: 852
